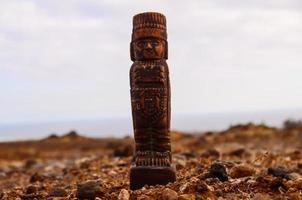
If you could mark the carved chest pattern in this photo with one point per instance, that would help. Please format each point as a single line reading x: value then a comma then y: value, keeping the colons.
x: 149, y: 75
x: 150, y: 103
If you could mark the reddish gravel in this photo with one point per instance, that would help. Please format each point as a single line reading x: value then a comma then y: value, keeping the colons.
x: 244, y: 162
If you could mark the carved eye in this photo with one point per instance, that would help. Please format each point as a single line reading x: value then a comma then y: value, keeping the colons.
x: 155, y: 43
x: 141, y: 44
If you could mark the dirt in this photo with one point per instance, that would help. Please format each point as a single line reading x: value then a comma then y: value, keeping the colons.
x: 244, y: 162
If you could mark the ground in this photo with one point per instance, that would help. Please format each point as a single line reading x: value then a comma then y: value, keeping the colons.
x: 244, y: 162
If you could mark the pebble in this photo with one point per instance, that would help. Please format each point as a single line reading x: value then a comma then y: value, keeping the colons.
x: 36, y: 177
x: 201, y: 186
x: 294, y: 176
x: 241, y: 171
x: 187, y: 197
x: 30, y: 164
x: 2, y: 175
x: 217, y: 170
x: 125, y: 150
x: 123, y: 195
x: 53, y: 166
x: 169, y: 194
x: 57, y: 192
x: 259, y: 196
x: 31, y: 189
x: 211, y: 153
x: 180, y: 164
x: 237, y: 152
x: 295, y: 196
x: 88, y: 190
x: 278, y: 172
x: 189, y: 154
x: 184, y: 188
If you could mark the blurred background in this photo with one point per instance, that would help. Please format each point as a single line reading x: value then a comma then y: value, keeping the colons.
x: 65, y: 64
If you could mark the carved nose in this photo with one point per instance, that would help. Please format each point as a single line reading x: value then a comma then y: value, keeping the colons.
x: 149, y: 46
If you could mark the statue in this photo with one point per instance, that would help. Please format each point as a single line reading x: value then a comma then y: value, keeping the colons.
x: 150, y: 102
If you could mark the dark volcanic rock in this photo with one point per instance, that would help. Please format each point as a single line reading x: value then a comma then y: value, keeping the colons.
x: 238, y: 152
x: 123, y: 150
x: 218, y: 170
x: 36, y: 177
x: 189, y: 154
x: 31, y: 189
x: 89, y: 190
x: 30, y: 163
x: 57, y: 192
x: 31, y: 196
x: 241, y: 171
x: 211, y: 153
x: 201, y: 186
x: 169, y: 194
x: 278, y: 172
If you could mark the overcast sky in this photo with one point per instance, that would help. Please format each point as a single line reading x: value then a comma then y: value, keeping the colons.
x: 62, y: 60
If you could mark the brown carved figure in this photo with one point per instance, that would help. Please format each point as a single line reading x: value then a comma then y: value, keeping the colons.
x: 150, y: 102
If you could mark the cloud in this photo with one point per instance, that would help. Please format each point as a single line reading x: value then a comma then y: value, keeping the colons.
x: 65, y: 59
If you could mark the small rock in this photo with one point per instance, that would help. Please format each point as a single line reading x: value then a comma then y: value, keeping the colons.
x: 241, y: 171
x: 189, y: 154
x: 211, y: 153
x: 295, y: 196
x: 180, y: 164
x: 53, y: 166
x: 185, y: 187
x: 36, y: 177
x: 298, y: 184
x: 169, y: 194
x: 31, y: 189
x: 201, y: 186
x: 260, y: 196
x: 278, y: 172
x: 83, y: 162
x: 2, y: 175
x: 125, y: 150
x: 237, y: 152
x: 144, y: 197
x: 57, y: 192
x: 217, y: 170
x: 294, y: 176
x: 187, y: 197
x: 276, y: 183
x: 31, y: 196
x: 30, y: 163
x: 89, y: 190
x: 124, y: 195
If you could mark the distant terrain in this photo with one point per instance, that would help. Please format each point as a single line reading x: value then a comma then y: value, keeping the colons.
x: 122, y: 126
x: 243, y: 162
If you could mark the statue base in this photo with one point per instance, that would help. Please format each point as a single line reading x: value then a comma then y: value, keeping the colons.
x: 150, y: 175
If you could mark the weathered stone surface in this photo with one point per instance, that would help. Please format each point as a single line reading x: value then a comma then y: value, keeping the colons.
x: 241, y: 171
x: 57, y: 192
x: 278, y: 172
x: 89, y: 190
x: 123, y: 195
x: 218, y: 170
x: 169, y: 194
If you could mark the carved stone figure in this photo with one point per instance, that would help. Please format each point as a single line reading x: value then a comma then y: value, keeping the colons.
x: 150, y: 102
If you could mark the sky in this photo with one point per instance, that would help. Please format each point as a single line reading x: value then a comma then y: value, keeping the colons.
x: 70, y: 60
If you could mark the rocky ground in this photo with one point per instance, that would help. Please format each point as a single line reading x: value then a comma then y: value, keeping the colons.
x: 244, y: 162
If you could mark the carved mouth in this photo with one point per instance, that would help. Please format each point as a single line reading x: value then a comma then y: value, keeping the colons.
x: 148, y: 53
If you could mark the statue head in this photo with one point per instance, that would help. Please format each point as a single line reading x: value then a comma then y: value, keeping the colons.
x: 149, y: 37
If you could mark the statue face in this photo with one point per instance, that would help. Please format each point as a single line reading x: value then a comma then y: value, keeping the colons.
x: 149, y: 49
